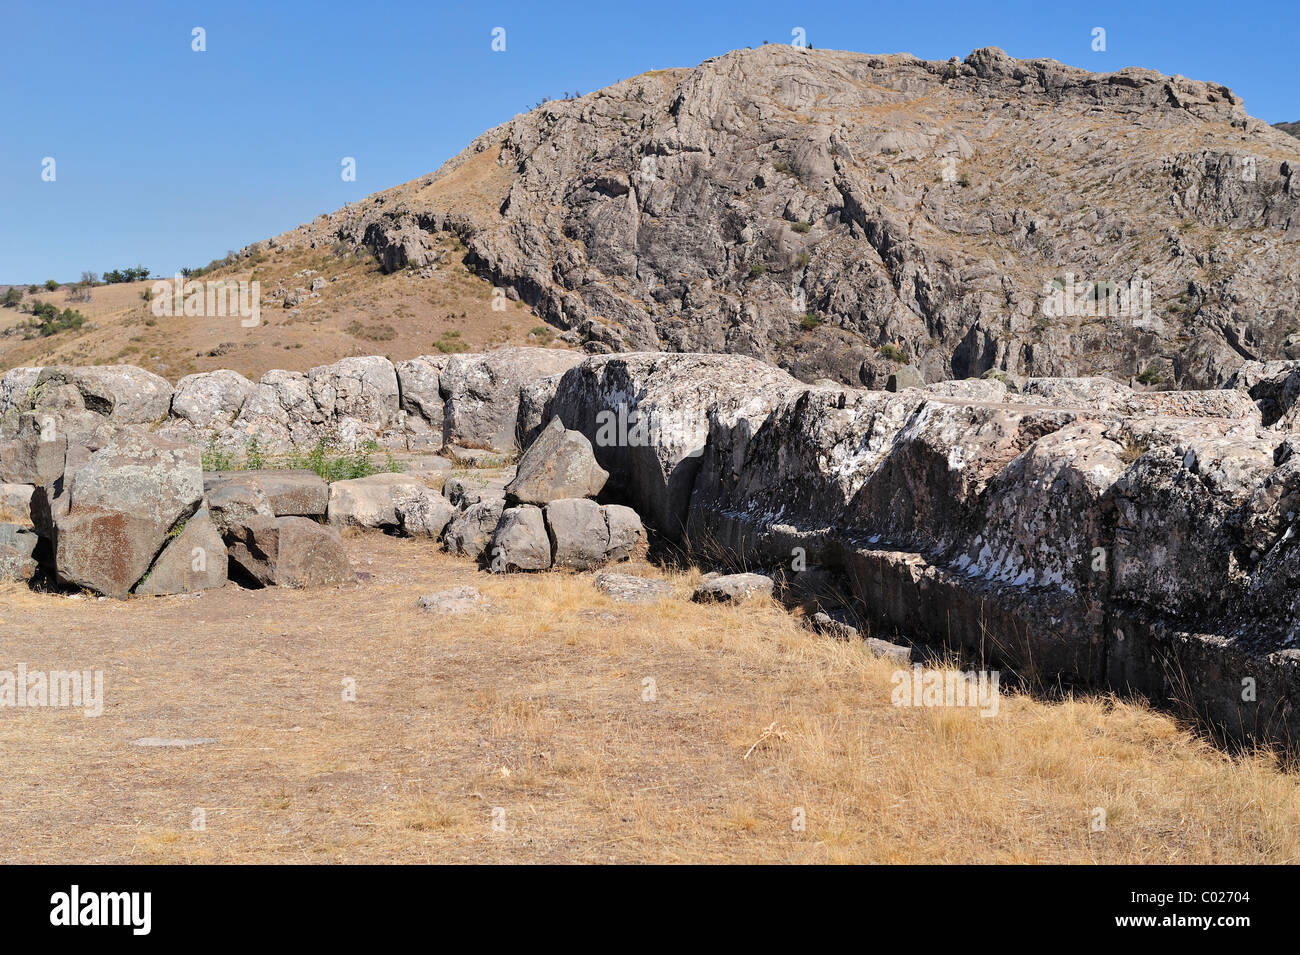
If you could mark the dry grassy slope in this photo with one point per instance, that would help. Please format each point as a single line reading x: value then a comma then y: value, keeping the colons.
x: 364, y: 312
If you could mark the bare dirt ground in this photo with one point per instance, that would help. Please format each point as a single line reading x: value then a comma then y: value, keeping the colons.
x: 535, y: 710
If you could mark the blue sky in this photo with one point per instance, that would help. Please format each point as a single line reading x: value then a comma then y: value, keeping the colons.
x: 169, y: 157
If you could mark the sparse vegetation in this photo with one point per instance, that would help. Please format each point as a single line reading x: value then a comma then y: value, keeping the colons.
x: 893, y: 353
x: 1150, y: 376
x: 755, y: 271
x: 802, y: 227
x: 134, y: 274
x: 810, y: 321
x: 49, y: 320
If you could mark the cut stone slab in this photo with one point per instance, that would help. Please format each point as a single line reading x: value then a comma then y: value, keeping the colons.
x: 578, y: 533
x: 288, y: 492
x: 195, y: 559
x: 628, y: 588
x: 290, y: 552
x: 520, y: 541
x: 733, y: 588
x: 560, y: 464
x: 455, y: 600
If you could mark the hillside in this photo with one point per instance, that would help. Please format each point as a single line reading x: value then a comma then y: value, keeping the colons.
x: 836, y: 213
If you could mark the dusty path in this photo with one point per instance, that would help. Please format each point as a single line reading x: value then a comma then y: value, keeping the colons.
x: 536, y: 709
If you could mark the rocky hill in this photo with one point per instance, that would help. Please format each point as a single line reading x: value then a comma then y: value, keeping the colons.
x: 842, y: 214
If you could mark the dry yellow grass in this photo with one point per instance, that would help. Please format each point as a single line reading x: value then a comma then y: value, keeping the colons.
x: 534, y: 715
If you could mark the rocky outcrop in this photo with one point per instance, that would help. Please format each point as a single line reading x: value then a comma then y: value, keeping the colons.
x: 861, y: 218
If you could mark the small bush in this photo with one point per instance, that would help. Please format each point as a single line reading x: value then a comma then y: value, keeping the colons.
x: 1150, y: 376
x: 51, y: 285
x: 12, y: 298
x: 756, y: 270
x: 893, y: 353
x: 802, y: 227
x: 810, y: 321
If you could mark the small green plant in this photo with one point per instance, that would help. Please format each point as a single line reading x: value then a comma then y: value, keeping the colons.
x: 802, y: 259
x: 893, y: 353
x: 964, y: 181
x: 810, y: 321
x: 757, y: 270
x: 802, y: 227
x: 254, y: 457
x: 215, y: 459
x: 1150, y: 376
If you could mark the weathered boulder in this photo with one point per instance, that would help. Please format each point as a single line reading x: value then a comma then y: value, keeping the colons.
x: 418, y: 380
x: 455, y: 600
x: 578, y: 532
x: 392, y: 501
x: 37, y: 452
x: 193, y: 559
x: 470, y: 531
x: 481, y: 393
x: 17, y: 544
x: 16, y: 503
x: 358, y: 397
x: 732, y: 588
x: 288, y: 492
x: 626, y: 532
x: 210, y: 399
x: 905, y: 377
x: 231, y: 502
x: 520, y: 541
x: 559, y: 464
x: 123, y: 393
x: 289, y: 552
x: 628, y: 588
x: 115, y: 510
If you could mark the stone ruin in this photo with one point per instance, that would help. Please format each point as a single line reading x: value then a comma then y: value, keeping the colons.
x: 1071, y: 532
